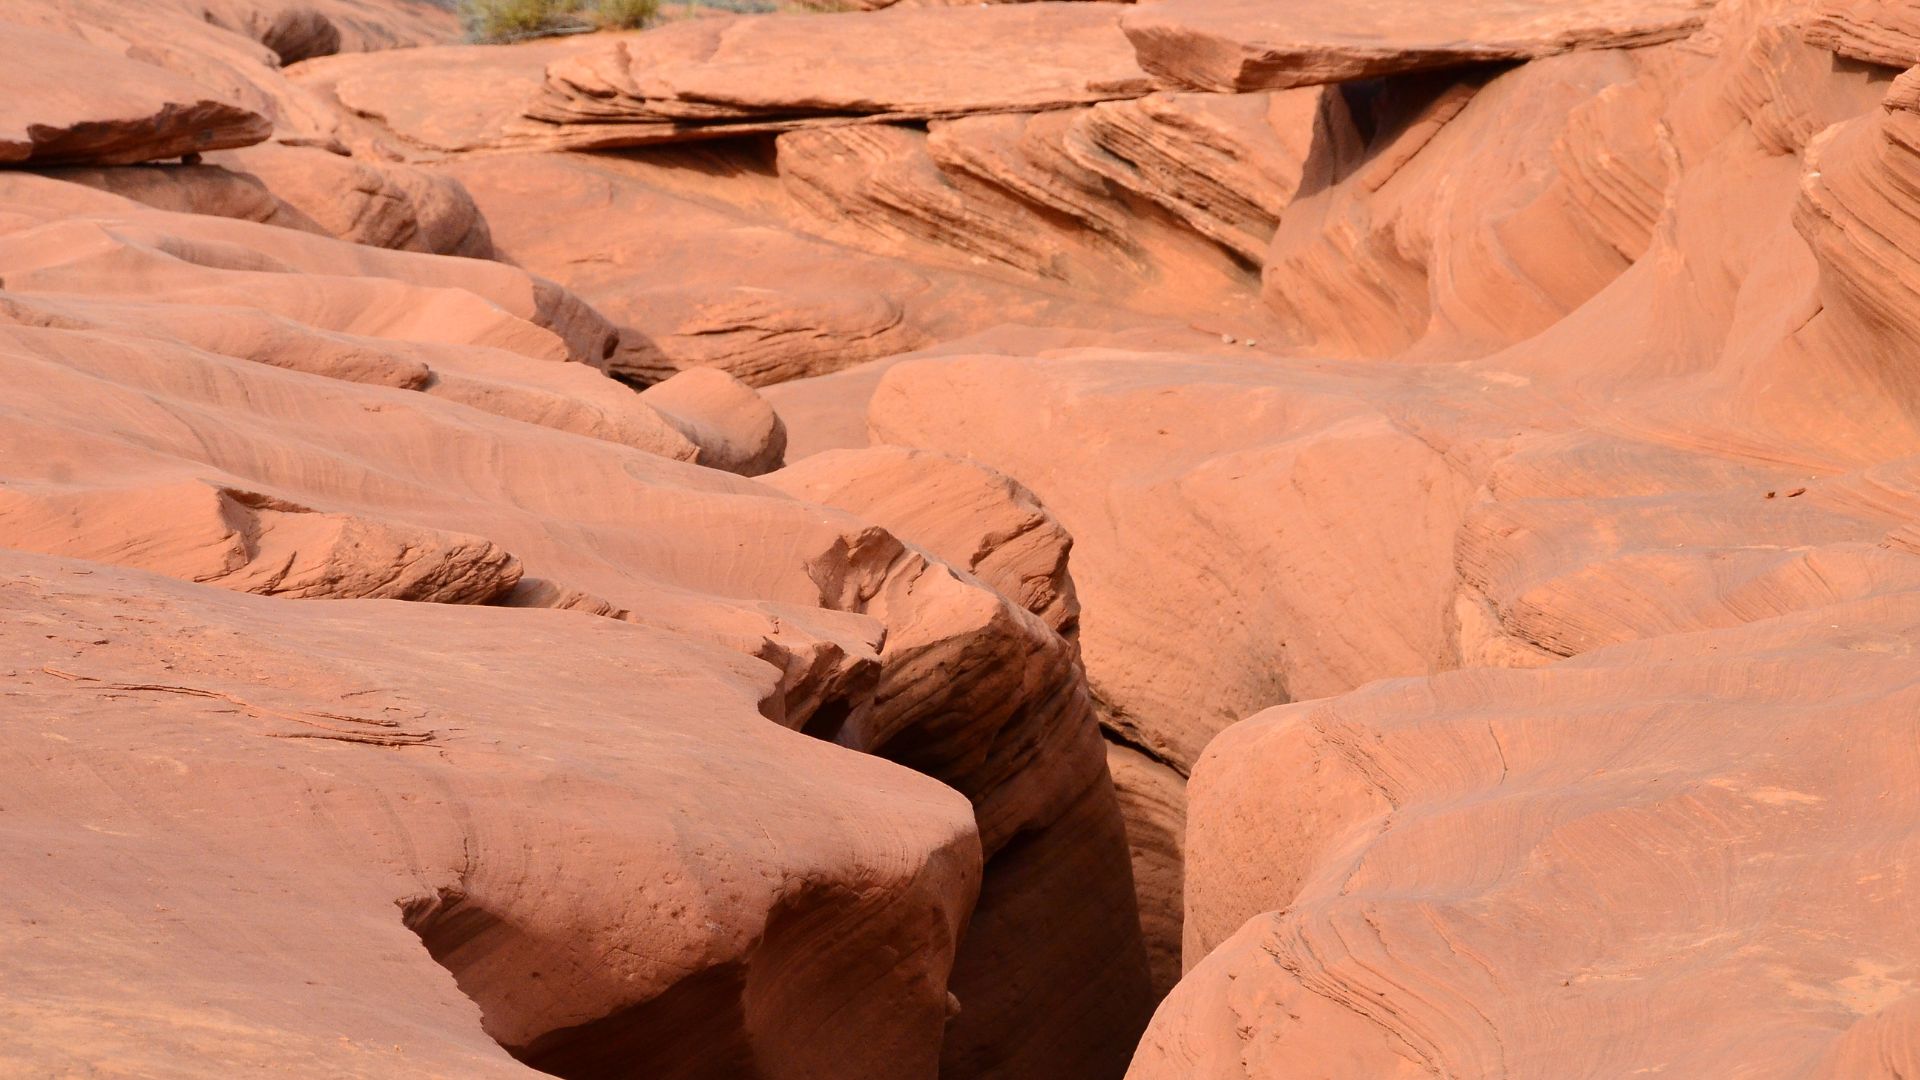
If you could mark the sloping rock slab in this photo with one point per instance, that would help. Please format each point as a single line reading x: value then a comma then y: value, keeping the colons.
x: 64, y: 101
x: 910, y: 63
x: 1240, y: 45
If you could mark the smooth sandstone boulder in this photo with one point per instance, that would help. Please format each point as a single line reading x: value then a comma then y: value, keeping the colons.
x: 68, y: 239
x: 1233, y: 46
x: 735, y: 429
x: 397, y: 103
x: 360, y: 838
x: 690, y: 285
x: 67, y: 101
x: 299, y: 30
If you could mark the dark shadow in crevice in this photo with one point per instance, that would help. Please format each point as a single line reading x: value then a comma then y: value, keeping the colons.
x: 829, y: 719
x: 696, y: 1030
x: 656, y: 1038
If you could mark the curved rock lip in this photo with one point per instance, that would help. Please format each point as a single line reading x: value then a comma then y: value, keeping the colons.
x: 66, y: 102
x: 1240, y: 45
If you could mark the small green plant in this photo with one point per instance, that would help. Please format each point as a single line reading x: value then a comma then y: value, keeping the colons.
x: 494, y: 21
x: 624, y: 14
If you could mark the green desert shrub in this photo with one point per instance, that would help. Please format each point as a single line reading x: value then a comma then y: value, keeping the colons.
x: 512, y: 20
x: 624, y: 14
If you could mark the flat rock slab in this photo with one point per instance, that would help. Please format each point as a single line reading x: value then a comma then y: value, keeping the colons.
x: 64, y: 101
x: 892, y: 64
x: 1240, y: 45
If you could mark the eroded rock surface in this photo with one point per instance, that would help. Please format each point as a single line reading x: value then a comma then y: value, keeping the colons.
x: 342, y: 411
x: 1132, y: 378
x: 1238, y: 45
x: 1430, y: 891
x: 1879, y: 33
x: 407, y: 837
x: 707, y: 77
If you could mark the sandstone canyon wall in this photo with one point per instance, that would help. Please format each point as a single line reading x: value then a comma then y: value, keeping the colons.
x: 1187, y: 539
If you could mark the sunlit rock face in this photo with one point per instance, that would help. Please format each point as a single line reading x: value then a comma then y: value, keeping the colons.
x: 1074, y: 540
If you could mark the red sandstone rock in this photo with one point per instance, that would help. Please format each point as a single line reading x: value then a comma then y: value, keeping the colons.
x: 1880, y: 33
x: 734, y: 427
x: 1580, y: 537
x: 373, y: 837
x: 1442, y: 233
x: 399, y: 102
x: 172, y: 34
x: 67, y: 101
x: 1661, y: 846
x: 738, y: 287
x: 384, y: 204
x: 434, y: 414
x: 299, y: 30
x: 699, y: 78
x: 1228, y: 165
x: 1239, y: 45
x: 1598, y: 365
x: 969, y: 515
x: 255, y: 543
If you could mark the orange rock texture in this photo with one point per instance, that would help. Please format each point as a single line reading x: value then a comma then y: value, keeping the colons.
x: 1187, y: 540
